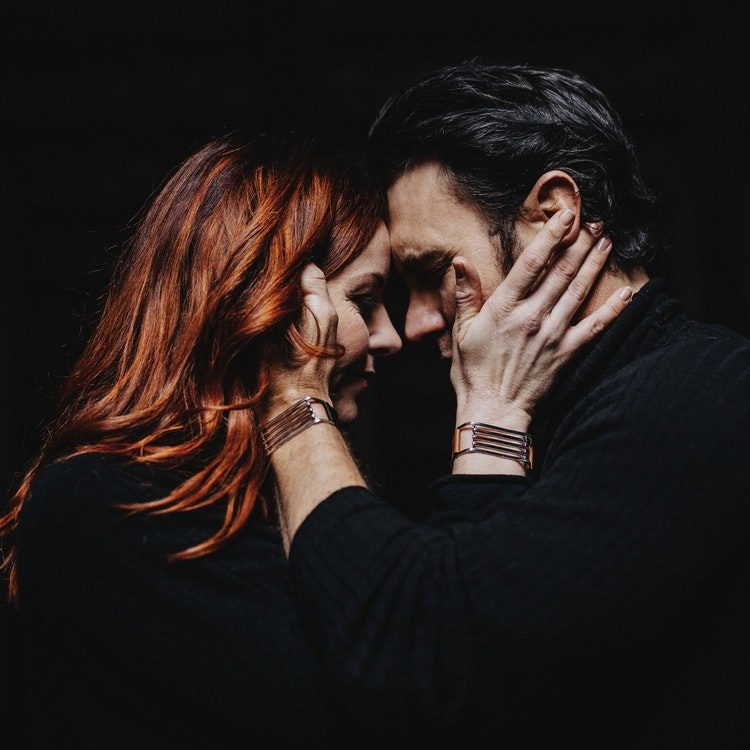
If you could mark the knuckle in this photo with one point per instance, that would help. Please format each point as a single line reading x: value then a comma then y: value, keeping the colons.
x: 596, y: 326
x: 578, y: 289
x: 501, y: 309
x: 531, y: 323
x: 533, y: 263
x: 565, y: 268
x: 499, y: 305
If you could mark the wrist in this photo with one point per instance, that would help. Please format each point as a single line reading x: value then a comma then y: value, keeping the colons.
x: 274, y: 404
x: 491, y: 412
x: 498, y: 442
x: 485, y: 448
x: 295, y: 419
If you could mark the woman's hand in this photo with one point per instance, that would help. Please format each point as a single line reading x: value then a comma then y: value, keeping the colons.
x: 507, y: 352
x: 316, y: 462
x: 306, y: 374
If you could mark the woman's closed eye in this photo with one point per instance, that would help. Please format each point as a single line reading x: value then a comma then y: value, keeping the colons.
x: 366, y: 303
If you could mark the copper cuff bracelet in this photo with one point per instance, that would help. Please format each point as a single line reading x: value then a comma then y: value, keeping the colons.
x: 494, y: 441
x: 294, y: 420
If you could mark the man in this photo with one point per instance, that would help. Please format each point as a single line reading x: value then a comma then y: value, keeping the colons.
x: 596, y: 597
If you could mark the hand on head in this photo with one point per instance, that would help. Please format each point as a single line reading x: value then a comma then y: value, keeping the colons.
x: 507, y: 352
x: 306, y: 374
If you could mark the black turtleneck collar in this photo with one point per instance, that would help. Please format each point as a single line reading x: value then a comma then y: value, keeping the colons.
x: 639, y: 329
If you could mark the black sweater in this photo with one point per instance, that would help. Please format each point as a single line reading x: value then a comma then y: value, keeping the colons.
x: 123, y: 650
x: 601, y: 602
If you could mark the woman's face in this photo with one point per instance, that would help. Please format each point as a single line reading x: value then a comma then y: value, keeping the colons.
x: 365, y: 330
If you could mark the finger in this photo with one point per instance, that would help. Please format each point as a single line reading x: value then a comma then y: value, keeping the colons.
x: 588, y: 328
x: 564, y: 266
x: 319, y: 314
x: 468, y: 295
x: 580, y: 286
x: 536, y: 255
x: 315, y: 289
x: 313, y: 280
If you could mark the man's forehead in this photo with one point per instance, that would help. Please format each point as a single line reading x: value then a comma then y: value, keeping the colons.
x: 421, y: 188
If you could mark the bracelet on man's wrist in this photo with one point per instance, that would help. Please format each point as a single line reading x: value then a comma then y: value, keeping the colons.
x: 298, y: 417
x: 479, y: 437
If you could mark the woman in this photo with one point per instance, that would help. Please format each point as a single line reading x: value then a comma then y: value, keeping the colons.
x: 142, y: 545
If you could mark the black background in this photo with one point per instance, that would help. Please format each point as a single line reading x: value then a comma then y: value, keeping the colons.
x: 102, y: 100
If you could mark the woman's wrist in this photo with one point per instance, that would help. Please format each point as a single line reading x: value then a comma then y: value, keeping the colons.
x: 274, y: 404
x: 302, y: 414
x: 309, y: 467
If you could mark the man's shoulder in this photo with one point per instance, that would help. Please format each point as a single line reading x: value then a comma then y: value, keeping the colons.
x: 683, y: 367
x: 697, y: 331
x: 694, y: 346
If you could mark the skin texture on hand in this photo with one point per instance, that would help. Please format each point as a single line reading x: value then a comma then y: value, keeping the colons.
x: 505, y: 355
x: 306, y: 375
x: 317, y: 461
x: 507, y: 352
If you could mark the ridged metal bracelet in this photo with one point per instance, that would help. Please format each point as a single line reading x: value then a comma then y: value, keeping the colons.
x: 294, y: 420
x: 495, y: 441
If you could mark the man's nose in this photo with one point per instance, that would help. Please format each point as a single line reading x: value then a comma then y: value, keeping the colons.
x: 424, y: 319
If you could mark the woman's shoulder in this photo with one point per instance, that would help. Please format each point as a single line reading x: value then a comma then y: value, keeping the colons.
x: 115, y: 478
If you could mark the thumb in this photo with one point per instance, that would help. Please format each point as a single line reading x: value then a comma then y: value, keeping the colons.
x: 313, y: 281
x: 468, y: 295
x: 319, y: 317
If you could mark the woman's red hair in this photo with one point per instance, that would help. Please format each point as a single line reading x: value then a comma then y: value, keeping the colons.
x: 207, y: 290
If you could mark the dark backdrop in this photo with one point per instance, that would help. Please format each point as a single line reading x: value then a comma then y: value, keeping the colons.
x: 100, y: 100
x: 103, y: 99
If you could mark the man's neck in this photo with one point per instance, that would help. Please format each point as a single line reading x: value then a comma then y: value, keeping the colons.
x: 608, y: 283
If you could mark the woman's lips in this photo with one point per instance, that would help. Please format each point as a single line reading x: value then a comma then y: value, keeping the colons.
x: 359, y: 378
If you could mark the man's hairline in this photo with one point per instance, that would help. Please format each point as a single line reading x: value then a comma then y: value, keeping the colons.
x: 503, y: 260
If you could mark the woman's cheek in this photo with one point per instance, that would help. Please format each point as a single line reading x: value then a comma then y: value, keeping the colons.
x: 354, y: 336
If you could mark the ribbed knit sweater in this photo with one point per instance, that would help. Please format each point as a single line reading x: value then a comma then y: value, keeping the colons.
x: 601, y: 602
x: 123, y: 650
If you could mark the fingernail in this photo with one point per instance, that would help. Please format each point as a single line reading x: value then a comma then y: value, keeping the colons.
x: 458, y: 267
x: 626, y: 294
x: 603, y: 245
x: 567, y: 216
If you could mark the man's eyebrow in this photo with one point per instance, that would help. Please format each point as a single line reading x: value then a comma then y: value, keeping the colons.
x: 415, y: 263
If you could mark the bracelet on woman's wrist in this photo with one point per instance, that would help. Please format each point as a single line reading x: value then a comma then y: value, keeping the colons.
x: 303, y: 414
x: 478, y: 437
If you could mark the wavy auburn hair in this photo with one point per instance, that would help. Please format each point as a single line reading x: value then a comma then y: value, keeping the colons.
x: 207, y: 291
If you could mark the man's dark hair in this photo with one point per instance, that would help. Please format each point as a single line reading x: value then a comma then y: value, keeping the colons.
x: 497, y: 128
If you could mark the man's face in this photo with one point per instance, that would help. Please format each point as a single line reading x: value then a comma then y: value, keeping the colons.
x: 429, y: 227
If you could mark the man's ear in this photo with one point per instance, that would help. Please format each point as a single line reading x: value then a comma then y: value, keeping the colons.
x: 553, y: 191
